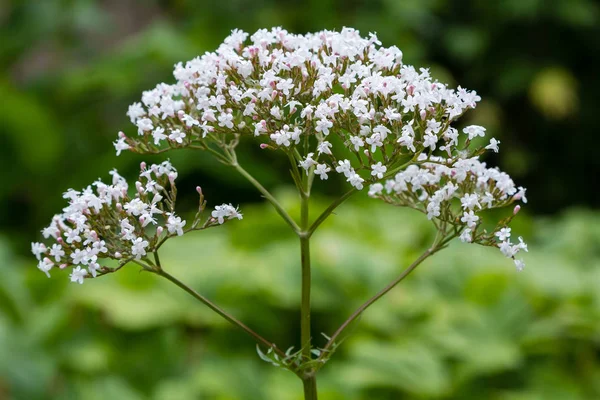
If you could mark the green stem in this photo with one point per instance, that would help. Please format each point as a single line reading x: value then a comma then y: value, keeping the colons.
x: 309, y: 380
x: 259, y: 339
x: 306, y: 281
x: 310, y: 387
x: 278, y: 207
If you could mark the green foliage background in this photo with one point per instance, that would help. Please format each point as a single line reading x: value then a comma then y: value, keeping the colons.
x: 464, y: 326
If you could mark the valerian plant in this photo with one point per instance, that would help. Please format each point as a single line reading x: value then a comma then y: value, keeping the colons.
x: 331, y: 103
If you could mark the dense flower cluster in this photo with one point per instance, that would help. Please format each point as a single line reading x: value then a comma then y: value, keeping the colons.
x: 311, y: 93
x: 103, y: 222
x: 453, y: 192
x: 321, y: 97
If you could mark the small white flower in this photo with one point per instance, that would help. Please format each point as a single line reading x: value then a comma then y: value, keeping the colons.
x: 470, y: 219
x: 175, y: 224
x: 225, y: 120
x: 356, y: 180
x: 503, y: 234
x: 466, y: 236
x: 521, y: 195
x: 493, y: 145
x: 159, y: 135
x: 78, y: 274
x: 323, y: 126
x: 224, y: 211
x: 470, y: 201
x: 322, y: 170
x: 344, y: 167
x: 138, y: 248
x: 375, y: 189
x: 522, y: 245
x: 177, y: 136
x: 474, y: 130
x: 57, y: 252
x: 520, y: 264
x: 378, y: 170
x: 45, y: 266
x: 308, y: 162
x: 508, y: 249
x: 430, y: 141
x: 38, y: 249
x: 357, y: 142
x: 144, y: 125
x: 136, y: 207
x: 121, y: 145
x: 324, y: 148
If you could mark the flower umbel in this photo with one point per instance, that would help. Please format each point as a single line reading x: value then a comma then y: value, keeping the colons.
x: 103, y: 222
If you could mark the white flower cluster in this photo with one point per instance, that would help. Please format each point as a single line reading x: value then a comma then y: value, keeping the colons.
x: 455, y: 191
x: 306, y: 93
x: 321, y: 97
x: 103, y: 222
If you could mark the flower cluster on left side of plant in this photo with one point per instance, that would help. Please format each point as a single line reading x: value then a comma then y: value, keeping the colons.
x: 104, y: 222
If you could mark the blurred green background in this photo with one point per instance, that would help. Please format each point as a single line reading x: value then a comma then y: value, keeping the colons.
x: 465, y: 326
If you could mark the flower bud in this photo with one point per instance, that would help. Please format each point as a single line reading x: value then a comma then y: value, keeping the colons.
x: 516, y: 210
x: 143, y: 166
x: 199, y: 190
x: 118, y: 255
x: 159, y: 231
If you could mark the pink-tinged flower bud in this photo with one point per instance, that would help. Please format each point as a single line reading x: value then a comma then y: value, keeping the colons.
x: 410, y: 90
x: 199, y: 190
x: 118, y: 255
x: 187, y: 85
x: 139, y: 187
x: 159, y: 231
x: 517, y: 209
x: 60, y: 240
x: 143, y: 165
x: 142, y: 219
x: 254, y: 117
x: 119, y: 207
x: 264, y: 146
x: 122, y: 135
x: 423, y: 114
x: 180, y: 114
x: 274, y: 95
x: 62, y: 266
x: 172, y: 177
x: 366, y: 152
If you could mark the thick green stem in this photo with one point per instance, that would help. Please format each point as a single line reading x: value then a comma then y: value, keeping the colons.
x: 310, y: 387
x: 309, y: 380
x: 306, y: 281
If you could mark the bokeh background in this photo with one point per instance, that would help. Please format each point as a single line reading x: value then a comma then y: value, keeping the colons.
x: 465, y: 326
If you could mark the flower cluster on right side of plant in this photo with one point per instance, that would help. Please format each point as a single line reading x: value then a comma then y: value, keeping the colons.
x: 455, y: 191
